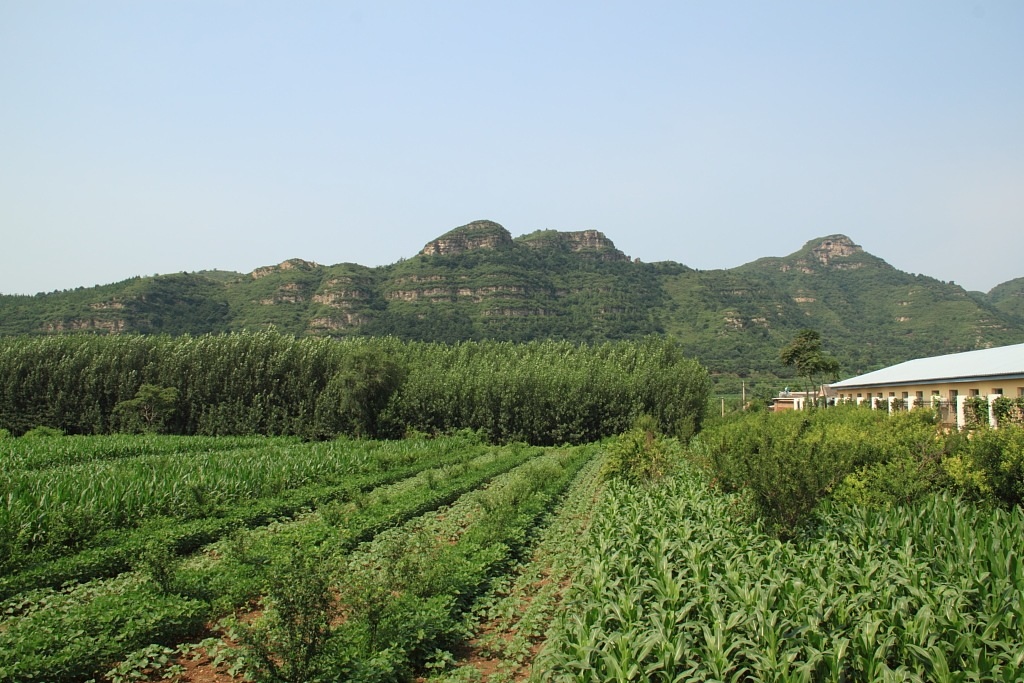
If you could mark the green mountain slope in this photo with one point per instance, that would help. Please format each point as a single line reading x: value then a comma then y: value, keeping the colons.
x: 1009, y: 298
x: 477, y: 282
x: 872, y: 314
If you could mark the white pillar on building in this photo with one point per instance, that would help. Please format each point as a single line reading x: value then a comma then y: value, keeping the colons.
x: 960, y: 410
x: 993, y: 422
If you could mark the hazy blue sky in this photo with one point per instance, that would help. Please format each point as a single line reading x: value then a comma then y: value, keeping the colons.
x: 151, y: 136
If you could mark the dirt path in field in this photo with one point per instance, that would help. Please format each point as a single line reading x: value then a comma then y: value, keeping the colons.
x: 499, y: 649
x: 202, y: 670
x: 487, y: 651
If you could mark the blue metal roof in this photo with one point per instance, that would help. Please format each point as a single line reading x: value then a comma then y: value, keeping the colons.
x: 1002, y: 361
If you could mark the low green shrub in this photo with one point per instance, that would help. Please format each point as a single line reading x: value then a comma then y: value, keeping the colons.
x: 787, y: 462
x: 990, y: 465
x: 290, y: 641
x: 43, y: 431
x: 901, y: 480
x: 640, y: 455
x: 908, y: 453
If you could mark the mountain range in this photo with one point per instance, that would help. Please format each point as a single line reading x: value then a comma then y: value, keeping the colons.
x: 477, y: 282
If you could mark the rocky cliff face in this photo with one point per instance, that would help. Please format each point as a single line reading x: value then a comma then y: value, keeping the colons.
x: 828, y: 252
x: 114, y: 326
x: 290, y: 264
x: 833, y: 247
x: 343, y: 293
x: 590, y: 243
x: 595, y: 242
x: 469, y: 237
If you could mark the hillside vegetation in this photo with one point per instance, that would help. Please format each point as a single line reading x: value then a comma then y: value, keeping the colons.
x: 477, y: 282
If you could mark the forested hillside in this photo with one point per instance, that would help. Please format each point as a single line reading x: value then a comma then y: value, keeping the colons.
x: 478, y: 282
x: 1009, y: 298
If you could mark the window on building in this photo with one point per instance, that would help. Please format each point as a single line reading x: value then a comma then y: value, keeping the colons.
x: 935, y: 392
x: 906, y: 395
x: 998, y: 391
x: 972, y: 392
x: 860, y: 396
x: 953, y: 393
x: 1020, y: 391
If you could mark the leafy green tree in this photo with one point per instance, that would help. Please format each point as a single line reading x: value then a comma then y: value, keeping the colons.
x: 150, y: 408
x: 804, y: 354
x: 357, y: 394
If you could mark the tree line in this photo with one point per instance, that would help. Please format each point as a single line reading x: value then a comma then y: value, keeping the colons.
x: 542, y: 393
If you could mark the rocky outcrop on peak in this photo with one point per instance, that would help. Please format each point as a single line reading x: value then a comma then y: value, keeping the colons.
x: 833, y: 247
x: 290, y: 264
x: 832, y: 252
x: 592, y: 243
x: 469, y: 237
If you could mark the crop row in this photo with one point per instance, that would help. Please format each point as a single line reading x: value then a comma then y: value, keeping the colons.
x: 403, y: 596
x: 59, y: 510
x: 169, y: 600
x: 512, y: 620
x: 234, y: 572
x: 44, y: 453
x: 678, y: 587
x: 115, y: 551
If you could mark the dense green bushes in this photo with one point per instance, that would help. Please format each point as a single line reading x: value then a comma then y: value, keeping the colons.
x: 787, y: 462
x: 268, y: 383
x: 641, y: 455
x: 1009, y: 410
x: 990, y: 465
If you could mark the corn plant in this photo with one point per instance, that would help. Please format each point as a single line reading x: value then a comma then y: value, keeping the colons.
x: 677, y: 587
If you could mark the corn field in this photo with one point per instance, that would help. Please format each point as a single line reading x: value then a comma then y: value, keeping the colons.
x: 678, y: 587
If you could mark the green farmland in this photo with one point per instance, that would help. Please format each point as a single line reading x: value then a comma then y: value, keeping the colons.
x: 255, y: 507
x: 638, y: 558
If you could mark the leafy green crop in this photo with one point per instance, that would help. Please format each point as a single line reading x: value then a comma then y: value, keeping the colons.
x: 404, y: 594
x: 677, y: 587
